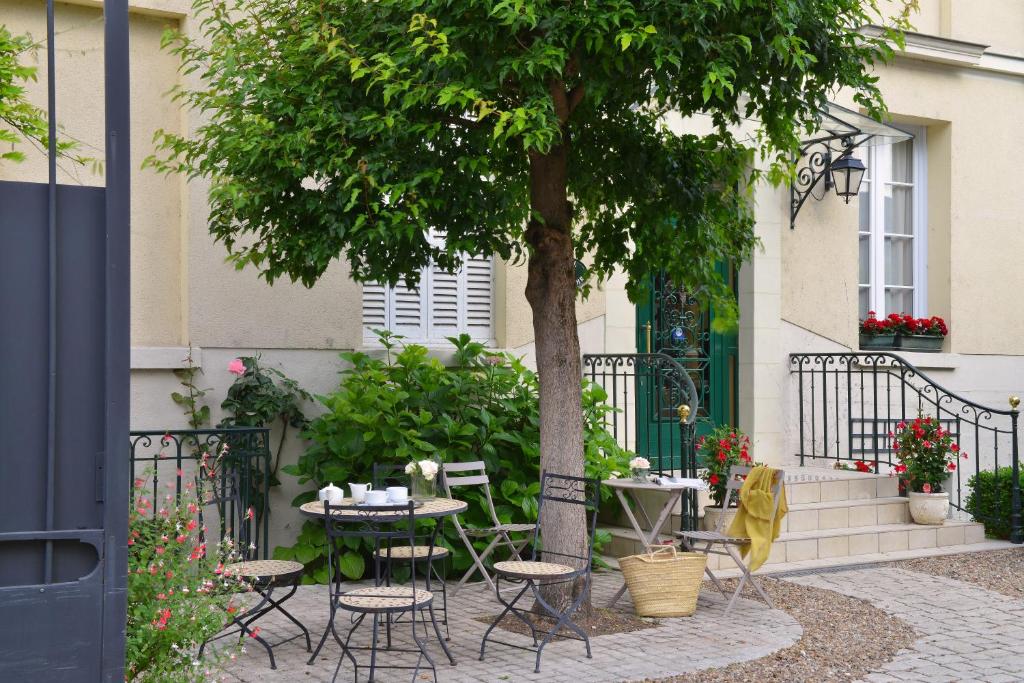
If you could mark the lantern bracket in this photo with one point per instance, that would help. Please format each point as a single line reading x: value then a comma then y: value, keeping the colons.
x: 840, y: 131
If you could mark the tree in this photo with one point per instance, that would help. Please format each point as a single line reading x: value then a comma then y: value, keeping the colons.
x: 529, y: 129
x: 21, y: 119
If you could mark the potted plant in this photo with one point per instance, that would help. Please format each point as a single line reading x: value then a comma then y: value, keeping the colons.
x: 927, y: 456
x: 921, y: 334
x: 718, y: 452
x: 877, y: 334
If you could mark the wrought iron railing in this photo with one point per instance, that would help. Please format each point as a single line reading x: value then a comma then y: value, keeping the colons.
x: 159, y: 457
x: 654, y: 406
x: 848, y: 403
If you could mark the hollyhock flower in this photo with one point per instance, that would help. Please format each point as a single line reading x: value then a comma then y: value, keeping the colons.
x: 236, y: 367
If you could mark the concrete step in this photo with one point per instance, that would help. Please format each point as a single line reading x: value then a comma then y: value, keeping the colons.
x: 801, y: 546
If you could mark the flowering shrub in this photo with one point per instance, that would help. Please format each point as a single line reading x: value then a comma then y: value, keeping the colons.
x: 926, y: 453
x: 178, y: 594
x: 720, y: 450
x: 858, y: 466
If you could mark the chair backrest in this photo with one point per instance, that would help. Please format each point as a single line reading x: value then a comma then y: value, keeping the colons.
x: 362, y: 522
x: 567, y: 492
x: 468, y: 474
x: 389, y: 474
x: 737, y: 475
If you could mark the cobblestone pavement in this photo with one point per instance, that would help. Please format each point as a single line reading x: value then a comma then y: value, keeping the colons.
x: 965, y: 633
x: 704, y: 640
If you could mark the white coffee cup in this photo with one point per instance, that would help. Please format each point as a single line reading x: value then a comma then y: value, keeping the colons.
x: 376, y: 498
x: 398, y: 494
x: 359, y: 491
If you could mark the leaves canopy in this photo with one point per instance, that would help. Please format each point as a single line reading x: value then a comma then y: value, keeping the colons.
x: 352, y: 127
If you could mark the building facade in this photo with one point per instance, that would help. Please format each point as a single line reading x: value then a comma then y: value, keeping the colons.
x: 937, y: 230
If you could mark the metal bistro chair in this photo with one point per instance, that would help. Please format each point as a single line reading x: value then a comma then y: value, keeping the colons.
x: 475, y: 474
x: 390, y: 474
x: 719, y: 537
x: 264, y: 576
x: 381, y: 524
x: 547, y: 567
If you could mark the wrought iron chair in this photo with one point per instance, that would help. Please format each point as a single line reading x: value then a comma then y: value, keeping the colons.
x: 263, y: 576
x: 729, y: 544
x: 381, y: 524
x: 475, y: 474
x: 390, y: 474
x: 546, y: 567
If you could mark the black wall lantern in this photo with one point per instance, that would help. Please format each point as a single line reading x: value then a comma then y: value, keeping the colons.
x: 847, y: 173
x: 840, y: 132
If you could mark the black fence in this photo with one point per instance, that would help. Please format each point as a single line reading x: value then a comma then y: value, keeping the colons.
x: 850, y: 402
x: 654, y: 407
x: 158, y: 457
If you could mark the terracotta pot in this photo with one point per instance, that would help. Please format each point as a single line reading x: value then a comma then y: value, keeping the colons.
x: 709, y: 522
x: 929, y: 508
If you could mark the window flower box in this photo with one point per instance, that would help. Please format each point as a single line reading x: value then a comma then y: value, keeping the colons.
x: 902, y: 333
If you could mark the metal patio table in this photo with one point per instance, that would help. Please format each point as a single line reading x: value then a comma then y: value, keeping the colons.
x: 633, y: 488
x: 434, y: 508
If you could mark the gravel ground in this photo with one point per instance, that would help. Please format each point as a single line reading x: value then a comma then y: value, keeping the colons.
x: 1001, y: 571
x: 843, y: 640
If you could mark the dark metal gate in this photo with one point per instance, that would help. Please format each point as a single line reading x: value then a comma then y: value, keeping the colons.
x: 64, y: 404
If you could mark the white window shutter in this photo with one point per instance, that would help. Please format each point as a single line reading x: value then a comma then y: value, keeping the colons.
x: 479, y: 297
x: 408, y: 312
x: 444, y: 304
x: 375, y: 309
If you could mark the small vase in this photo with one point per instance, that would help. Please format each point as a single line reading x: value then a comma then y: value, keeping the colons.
x: 422, y: 488
x: 640, y: 475
x: 929, y: 508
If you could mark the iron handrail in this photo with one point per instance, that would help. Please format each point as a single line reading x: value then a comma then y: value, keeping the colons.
x: 616, y: 360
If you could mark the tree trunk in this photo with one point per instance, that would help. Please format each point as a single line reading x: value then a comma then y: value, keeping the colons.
x: 551, y: 292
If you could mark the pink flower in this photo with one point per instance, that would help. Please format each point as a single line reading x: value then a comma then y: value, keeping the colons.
x: 927, y: 488
x: 950, y: 466
x: 236, y: 367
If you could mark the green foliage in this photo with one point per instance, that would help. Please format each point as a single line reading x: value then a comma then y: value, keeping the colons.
x: 352, y: 128
x: 990, y: 499
x: 21, y: 119
x: 409, y: 406
x: 260, y: 397
x: 196, y: 412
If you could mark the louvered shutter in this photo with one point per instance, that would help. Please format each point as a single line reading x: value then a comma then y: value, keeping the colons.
x: 479, y: 297
x: 375, y: 309
x: 409, y: 315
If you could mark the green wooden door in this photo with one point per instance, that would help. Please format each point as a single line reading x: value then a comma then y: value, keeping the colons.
x: 674, y: 323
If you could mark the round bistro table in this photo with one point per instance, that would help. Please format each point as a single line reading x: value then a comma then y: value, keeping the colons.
x: 434, y: 508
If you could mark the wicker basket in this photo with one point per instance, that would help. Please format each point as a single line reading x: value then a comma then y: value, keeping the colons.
x: 664, y: 582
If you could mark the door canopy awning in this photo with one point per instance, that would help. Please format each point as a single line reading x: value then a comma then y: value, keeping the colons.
x: 829, y: 151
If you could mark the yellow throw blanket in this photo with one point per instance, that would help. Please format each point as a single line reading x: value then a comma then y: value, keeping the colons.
x: 754, y: 517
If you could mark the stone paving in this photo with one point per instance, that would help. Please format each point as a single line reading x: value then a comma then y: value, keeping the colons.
x: 674, y: 646
x: 965, y: 633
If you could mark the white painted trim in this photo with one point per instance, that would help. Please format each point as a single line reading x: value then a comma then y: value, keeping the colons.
x: 175, y: 9
x: 163, y: 357
x: 941, y: 50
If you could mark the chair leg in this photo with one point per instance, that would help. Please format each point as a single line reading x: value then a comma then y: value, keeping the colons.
x: 747, y: 576
x: 508, y: 608
x: 563, y: 618
x: 478, y: 564
x: 276, y: 604
x: 437, y: 631
x: 373, y: 645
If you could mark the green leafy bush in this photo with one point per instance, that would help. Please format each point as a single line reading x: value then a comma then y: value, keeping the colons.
x: 990, y: 498
x: 409, y: 406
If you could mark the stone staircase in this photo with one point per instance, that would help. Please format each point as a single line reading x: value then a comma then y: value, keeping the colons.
x: 835, y: 517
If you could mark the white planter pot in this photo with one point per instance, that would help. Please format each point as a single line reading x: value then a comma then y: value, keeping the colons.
x: 709, y: 522
x: 929, y: 508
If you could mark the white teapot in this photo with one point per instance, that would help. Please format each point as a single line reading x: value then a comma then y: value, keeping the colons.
x: 331, y: 494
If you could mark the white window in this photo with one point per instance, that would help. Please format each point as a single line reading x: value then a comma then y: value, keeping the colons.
x: 894, y: 229
x: 444, y: 305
